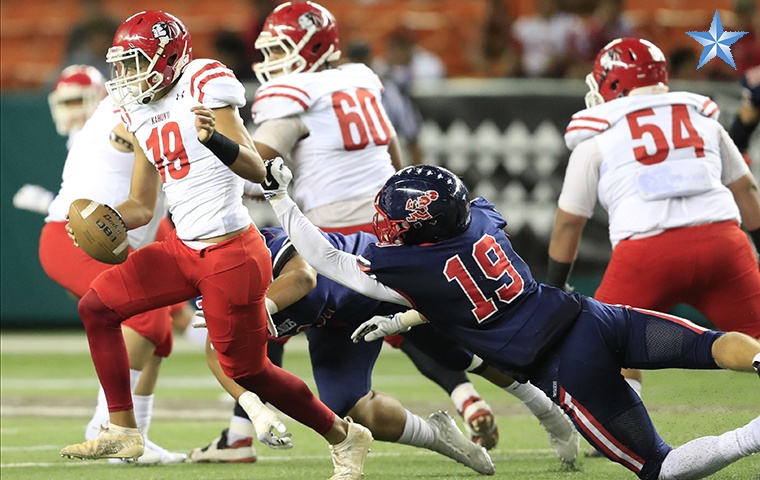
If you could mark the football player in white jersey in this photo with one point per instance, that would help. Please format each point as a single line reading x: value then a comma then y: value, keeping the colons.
x: 188, y: 137
x: 99, y: 166
x: 676, y: 189
x: 329, y: 124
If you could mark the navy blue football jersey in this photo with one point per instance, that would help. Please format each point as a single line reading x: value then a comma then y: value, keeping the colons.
x: 475, y: 288
x: 329, y: 303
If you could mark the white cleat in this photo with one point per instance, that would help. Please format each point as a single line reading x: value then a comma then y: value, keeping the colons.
x: 154, y: 455
x: 450, y: 441
x: 563, y: 437
x: 110, y: 443
x: 349, y: 455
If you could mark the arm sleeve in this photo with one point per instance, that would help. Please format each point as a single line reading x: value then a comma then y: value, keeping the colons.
x: 581, y: 180
x: 281, y: 134
x: 733, y: 166
x: 334, y: 264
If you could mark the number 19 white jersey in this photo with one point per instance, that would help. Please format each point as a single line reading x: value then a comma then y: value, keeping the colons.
x: 345, y: 154
x: 656, y: 162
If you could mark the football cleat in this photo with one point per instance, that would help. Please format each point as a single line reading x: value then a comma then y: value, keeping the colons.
x: 219, y: 451
x: 110, y: 443
x: 450, y: 441
x: 480, y: 422
x: 155, y: 455
x: 349, y: 455
x: 563, y: 437
x: 756, y: 366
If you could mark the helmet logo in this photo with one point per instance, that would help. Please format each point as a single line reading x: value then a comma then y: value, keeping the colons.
x: 610, y: 59
x: 419, y: 206
x: 161, y: 32
x: 308, y: 21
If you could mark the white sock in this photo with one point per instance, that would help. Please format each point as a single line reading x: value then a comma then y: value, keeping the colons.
x: 143, y: 412
x: 197, y: 336
x: 134, y: 377
x: 532, y: 397
x: 240, y: 428
x: 462, y: 393
x: 635, y: 385
x: 99, y: 418
x: 707, y: 455
x: 417, y: 432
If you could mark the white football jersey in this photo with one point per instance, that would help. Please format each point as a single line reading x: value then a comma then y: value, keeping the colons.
x: 96, y: 170
x: 656, y: 162
x: 345, y: 154
x: 204, y: 195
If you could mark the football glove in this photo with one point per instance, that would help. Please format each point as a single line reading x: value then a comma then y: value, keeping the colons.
x: 378, y: 327
x: 277, y: 179
x: 33, y: 198
x: 269, y: 429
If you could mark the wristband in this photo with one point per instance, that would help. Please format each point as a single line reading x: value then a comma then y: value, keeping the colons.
x: 225, y: 149
x: 557, y: 273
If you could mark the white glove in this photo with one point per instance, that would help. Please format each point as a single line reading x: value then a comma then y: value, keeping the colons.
x: 33, y: 198
x: 277, y: 179
x: 269, y: 429
x: 378, y: 327
x: 199, y: 319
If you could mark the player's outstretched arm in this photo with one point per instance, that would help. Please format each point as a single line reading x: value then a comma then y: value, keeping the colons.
x: 336, y: 265
x: 221, y: 130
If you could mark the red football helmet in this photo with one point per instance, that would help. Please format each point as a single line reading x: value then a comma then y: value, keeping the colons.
x: 297, y: 37
x: 75, y: 97
x: 624, y: 65
x: 149, y: 52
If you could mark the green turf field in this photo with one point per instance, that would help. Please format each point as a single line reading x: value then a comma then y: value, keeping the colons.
x: 48, y: 391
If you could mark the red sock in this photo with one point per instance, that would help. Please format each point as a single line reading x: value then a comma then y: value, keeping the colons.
x: 291, y: 396
x: 108, y: 351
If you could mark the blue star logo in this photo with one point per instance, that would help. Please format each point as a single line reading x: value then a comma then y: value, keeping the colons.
x: 716, y: 42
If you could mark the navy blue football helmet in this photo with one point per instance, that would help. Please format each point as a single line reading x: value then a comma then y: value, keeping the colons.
x: 421, y: 204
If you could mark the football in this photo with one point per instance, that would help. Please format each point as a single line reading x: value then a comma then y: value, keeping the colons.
x: 99, y: 231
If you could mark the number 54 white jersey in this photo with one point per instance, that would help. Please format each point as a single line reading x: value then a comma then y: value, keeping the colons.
x: 656, y: 162
x: 345, y: 155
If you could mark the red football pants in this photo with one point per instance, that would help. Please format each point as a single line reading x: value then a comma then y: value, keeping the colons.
x: 711, y: 267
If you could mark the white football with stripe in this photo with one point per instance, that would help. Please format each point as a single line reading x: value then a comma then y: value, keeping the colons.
x: 99, y: 231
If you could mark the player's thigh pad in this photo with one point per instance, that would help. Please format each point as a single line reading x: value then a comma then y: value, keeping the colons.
x: 150, y: 278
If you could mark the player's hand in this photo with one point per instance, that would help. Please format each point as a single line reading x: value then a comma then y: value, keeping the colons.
x: 269, y: 429
x: 199, y: 319
x: 751, y: 82
x: 33, y: 198
x: 277, y: 179
x: 70, y: 232
x: 378, y: 327
x: 205, y: 122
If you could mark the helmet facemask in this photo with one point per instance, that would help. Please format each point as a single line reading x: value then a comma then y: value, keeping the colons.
x: 277, y: 64
x: 593, y: 97
x: 72, y: 105
x: 387, y: 230
x: 143, y: 84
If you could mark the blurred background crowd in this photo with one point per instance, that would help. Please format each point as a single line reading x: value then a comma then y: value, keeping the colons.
x: 404, y: 40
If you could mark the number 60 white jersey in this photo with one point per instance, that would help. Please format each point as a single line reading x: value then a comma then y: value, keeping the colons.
x: 345, y: 154
x: 658, y: 161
